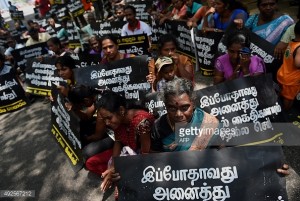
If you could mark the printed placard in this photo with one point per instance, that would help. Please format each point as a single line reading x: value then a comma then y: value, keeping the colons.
x: 126, y: 76
x: 136, y: 44
x: 108, y: 28
x: 23, y: 54
x: 12, y: 95
x: 65, y: 130
x: 206, y: 49
x: 40, y: 75
x: 226, y: 174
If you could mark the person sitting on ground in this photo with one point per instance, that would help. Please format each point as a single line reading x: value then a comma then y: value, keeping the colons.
x: 226, y: 12
x: 165, y: 69
x: 135, y: 26
x: 91, y: 21
x: 206, y: 11
x: 36, y: 37
x: 97, y: 144
x: 167, y: 45
x: 131, y: 125
x: 12, y: 45
x: 179, y: 100
x: 288, y: 74
x: 237, y: 62
x: 56, y: 47
x: 52, y: 27
x: 95, y: 45
x: 64, y: 66
x: 110, y: 50
x: 178, y: 12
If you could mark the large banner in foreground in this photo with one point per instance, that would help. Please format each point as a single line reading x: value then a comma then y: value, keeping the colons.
x: 245, y: 173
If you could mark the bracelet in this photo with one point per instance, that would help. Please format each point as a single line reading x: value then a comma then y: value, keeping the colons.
x: 215, y: 30
x: 247, y: 75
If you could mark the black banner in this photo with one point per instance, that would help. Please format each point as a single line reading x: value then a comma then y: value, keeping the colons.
x: 3, y: 44
x: 157, y: 30
x: 183, y: 35
x: 245, y: 107
x: 40, y: 75
x: 136, y: 44
x: 206, y: 49
x: 126, y: 76
x: 65, y: 130
x: 75, y: 8
x: 12, y: 95
x: 141, y: 8
x: 17, y: 15
x: 155, y: 104
x: 62, y: 12
x: 83, y: 60
x: 108, y: 28
x: 23, y: 54
x: 244, y: 173
x: 73, y: 35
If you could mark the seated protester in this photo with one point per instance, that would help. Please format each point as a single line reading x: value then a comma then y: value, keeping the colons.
x: 88, y: 29
x: 178, y: 12
x: 62, y: 34
x: 97, y: 148
x: 110, y: 50
x: 36, y: 37
x: 167, y: 45
x: 135, y: 26
x: 179, y: 99
x: 132, y: 128
x: 38, y: 27
x: 56, y: 47
x: 226, y: 12
x: 270, y: 24
x: 52, y: 27
x: 165, y: 69
x: 4, y: 68
x: 237, y: 62
x: 64, y: 66
x: 192, y: 8
x: 95, y: 45
x: 204, y: 13
x: 12, y: 45
x: 288, y: 74
x: 119, y: 14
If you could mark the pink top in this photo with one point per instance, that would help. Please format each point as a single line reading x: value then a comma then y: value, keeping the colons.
x: 223, y: 64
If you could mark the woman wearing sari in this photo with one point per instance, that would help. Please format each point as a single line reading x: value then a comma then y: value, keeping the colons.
x: 269, y: 23
x: 178, y: 96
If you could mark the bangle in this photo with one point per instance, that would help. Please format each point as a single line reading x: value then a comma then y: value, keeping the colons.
x: 215, y: 30
x: 247, y: 75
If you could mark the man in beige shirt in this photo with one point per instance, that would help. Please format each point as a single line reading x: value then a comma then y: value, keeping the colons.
x: 36, y: 37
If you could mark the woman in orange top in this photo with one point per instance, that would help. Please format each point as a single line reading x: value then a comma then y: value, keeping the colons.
x: 288, y: 74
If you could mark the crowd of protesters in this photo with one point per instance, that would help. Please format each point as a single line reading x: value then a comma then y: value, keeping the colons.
x: 170, y: 73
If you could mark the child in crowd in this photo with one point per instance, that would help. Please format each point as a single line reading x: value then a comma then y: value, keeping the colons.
x: 165, y: 70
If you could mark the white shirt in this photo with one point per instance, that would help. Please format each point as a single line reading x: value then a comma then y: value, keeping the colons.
x: 10, y: 49
x: 142, y: 28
